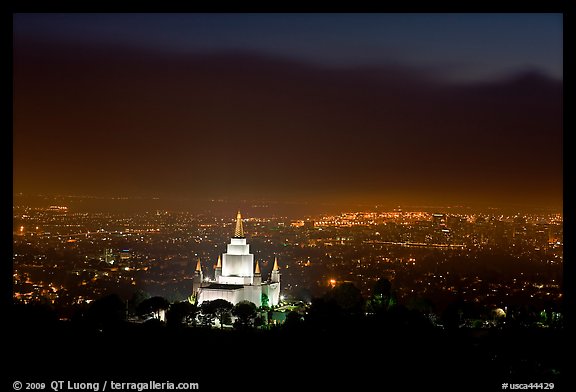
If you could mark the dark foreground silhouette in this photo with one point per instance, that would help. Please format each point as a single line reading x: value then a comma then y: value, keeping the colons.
x: 327, y: 350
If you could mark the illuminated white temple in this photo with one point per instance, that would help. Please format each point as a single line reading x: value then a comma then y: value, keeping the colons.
x: 237, y: 278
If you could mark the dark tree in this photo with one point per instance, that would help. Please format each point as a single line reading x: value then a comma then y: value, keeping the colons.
x: 207, y: 314
x: 259, y: 321
x: 294, y: 321
x: 382, y: 288
x: 422, y: 305
x: 106, y: 312
x: 34, y: 315
x: 348, y: 297
x: 218, y: 308
x: 246, y: 312
x: 323, y: 313
x: 180, y: 313
x: 303, y: 294
x: 137, y: 297
x: 152, y: 305
x: 222, y: 309
x: 453, y: 315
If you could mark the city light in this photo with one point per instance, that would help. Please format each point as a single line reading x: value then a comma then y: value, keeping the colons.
x: 403, y: 238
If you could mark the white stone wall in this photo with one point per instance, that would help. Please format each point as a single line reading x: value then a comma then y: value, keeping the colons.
x: 247, y: 293
x: 243, y: 280
x: 237, y: 265
x: 233, y: 296
x: 272, y: 290
x: 253, y: 294
x: 232, y: 249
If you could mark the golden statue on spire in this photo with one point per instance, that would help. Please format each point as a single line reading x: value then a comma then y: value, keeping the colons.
x: 239, y: 231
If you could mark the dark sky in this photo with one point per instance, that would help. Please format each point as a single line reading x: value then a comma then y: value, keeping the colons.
x: 382, y: 108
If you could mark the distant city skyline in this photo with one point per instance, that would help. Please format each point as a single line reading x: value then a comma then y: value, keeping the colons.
x: 419, y: 109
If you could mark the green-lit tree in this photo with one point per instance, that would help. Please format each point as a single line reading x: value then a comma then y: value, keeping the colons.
x: 381, y: 299
x: 265, y: 301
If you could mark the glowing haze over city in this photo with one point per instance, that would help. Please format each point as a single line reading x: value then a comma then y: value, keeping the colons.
x: 389, y: 109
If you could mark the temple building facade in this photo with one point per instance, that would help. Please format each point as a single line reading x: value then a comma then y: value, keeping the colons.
x: 237, y: 277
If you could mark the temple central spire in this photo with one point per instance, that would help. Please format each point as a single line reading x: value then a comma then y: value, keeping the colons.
x: 239, y: 231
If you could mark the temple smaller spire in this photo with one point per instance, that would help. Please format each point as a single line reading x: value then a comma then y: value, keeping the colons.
x: 218, y: 269
x: 275, y: 275
x: 257, y: 271
x: 197, y: 279
x: 239, y: 231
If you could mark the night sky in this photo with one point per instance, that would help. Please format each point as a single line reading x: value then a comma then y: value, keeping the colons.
x: 395, y: 109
